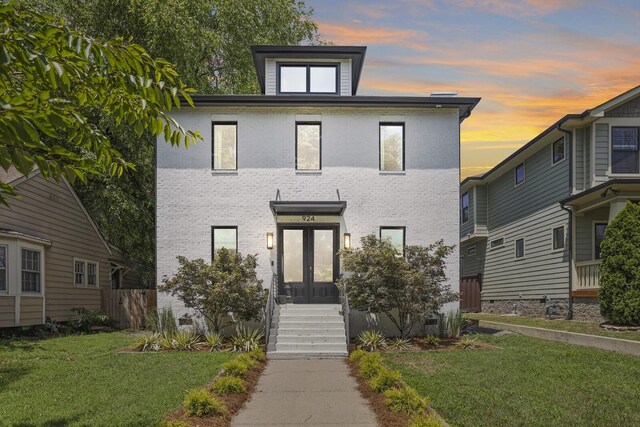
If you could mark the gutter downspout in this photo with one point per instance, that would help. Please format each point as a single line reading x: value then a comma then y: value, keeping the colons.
x: 570, y: 212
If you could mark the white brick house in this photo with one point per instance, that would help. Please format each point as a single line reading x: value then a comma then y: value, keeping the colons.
x: 312, y: 163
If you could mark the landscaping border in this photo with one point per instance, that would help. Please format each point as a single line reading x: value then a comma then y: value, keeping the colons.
x: 596, y: 341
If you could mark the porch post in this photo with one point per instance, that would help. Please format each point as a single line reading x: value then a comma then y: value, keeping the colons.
x: 615, y: 207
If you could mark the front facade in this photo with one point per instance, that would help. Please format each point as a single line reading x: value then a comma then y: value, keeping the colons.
x: 297, y: 172
x: 531, y: 227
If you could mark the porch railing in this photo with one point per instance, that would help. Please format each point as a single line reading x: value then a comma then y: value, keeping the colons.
x: 588, y: 273
x: 268, y: 310
x: 346, y: 313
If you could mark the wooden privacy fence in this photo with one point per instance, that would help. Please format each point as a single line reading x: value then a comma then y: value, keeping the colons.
x: 128, y: 307
x: 470, y: 288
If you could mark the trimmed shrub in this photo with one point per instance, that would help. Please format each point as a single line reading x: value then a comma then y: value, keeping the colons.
x: 620, y: 269
x: 386, y: 379
x: 425, y: 421
x: 173, y: 423
x: 405, y: 400
x: 258, y: 355
x: 370, y: 365
x: 357, y: 355
x: 200, y: 402
x: 227, y: 385
x: 247, y: 360
x: 235, y: 368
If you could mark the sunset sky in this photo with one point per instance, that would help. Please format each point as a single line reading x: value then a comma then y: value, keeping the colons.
x: 531, y: 61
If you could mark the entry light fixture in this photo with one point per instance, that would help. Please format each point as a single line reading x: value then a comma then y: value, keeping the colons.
x: 347, y: 240
x: 269, y: 240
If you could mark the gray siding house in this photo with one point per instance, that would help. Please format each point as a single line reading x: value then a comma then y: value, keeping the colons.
x: 531, y: 227
x: 307, y: 166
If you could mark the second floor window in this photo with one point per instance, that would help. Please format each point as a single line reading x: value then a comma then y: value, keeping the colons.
x: 520, y: 174
x: 465, y: 208
x: 624, y: 150
x: 520, y: 248
x: 558, y: 238
x: 392, y: 147
x: 224, y: 147
x: 308, y: 78
x: 224, y: 237
x: 558, y: 151
x: 308, y: 146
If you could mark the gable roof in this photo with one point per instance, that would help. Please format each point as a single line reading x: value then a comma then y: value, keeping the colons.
x: 354, y: 53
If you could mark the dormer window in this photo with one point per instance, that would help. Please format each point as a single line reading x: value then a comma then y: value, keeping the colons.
x: 315, y: 78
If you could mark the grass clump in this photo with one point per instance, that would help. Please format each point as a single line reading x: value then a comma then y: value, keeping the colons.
x: 370, y: 365
x: 357, y: 355
x: 425, y: 421
x: 385, y: 380
x: 200, y: 402
x: 405, y: 400
x: 235, y: 368
x: 247, y: 360
x: 229, y: 385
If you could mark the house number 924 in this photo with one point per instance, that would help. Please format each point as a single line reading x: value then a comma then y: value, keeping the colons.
x: 308, y: 218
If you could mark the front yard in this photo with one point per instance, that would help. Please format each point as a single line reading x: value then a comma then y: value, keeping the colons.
x: 81, y: 381
x: 526, y: 382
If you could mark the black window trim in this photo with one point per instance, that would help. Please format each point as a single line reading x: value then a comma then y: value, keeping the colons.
x: 555, y: 248
x: 213, y: 241
x: 462, y: 208
x: 553, y: 152
x: 498, y: 246
x: 395, y: 227
x: 475, y: 250
x: 523, y: 248
x: 308, y: 65
x: 213, y: 161
x: 319, y: 147
x: 6, y: 268
x: 524, y: 174
x: 611, y: 151
x: 380, y: 145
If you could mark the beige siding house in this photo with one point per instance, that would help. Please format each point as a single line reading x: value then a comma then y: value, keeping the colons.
x: 52, y: 256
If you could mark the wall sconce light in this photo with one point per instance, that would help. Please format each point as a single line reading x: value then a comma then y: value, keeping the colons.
x: 347, y: 240
x: 269, y: 240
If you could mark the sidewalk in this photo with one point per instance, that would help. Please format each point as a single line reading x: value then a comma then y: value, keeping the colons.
x: 306, y: 392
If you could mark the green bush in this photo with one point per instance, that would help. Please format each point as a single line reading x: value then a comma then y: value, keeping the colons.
x: 246, y: 339
x: 400, y: 344
x: 235, y: 368
x: 166, y: 341
x: 405, y: 400
x: 147, y: 342
x: 386, y: 379
x: 466, y: 343
x: 432, y: 340
x: 425, y: 421
x: 173, y: 423
x: 247, y: 360
x: 371, y: 340
x: 620, y: 269
x: 185, y: 340
x: 200, y: 402
x: 226, y: 385
x: 357, y: 355
x: 257, y: 354
x: 370, y: 365
x: 213, y: 341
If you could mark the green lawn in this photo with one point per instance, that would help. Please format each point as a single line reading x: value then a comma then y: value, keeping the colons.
x: 592, y: 328
x: 526, y: 382
x: 81, y: 381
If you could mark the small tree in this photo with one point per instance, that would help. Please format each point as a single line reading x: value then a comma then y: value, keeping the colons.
x: 223, y: 292
x: 620, y: 269
x: 403, y: 288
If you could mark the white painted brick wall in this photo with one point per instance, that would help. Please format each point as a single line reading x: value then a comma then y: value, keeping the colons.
x: 191, y: 198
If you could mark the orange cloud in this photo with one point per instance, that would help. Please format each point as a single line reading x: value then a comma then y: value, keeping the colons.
x: 350, y: 35
x: 517, y: 8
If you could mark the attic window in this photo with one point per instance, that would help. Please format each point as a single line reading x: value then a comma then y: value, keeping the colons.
x: 320, y: 78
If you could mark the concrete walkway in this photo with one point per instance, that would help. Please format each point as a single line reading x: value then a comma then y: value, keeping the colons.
x: 306, y: 393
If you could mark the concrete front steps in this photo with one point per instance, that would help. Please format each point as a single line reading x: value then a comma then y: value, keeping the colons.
x: 307, y: 331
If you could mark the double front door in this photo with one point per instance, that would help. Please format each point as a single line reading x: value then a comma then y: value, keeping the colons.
x: 308, y: 263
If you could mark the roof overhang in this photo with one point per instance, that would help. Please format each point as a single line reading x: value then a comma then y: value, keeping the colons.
x: 11, y: 234
x: 603, y: 193
x: 354, y: 53
x: 307, y: 208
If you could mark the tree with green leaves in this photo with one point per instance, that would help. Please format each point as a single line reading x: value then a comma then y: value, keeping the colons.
x: 405, y: 288
x: 620, y: 269
x: 223, y: 292
x: 52, y: 77
x: 209, y: 43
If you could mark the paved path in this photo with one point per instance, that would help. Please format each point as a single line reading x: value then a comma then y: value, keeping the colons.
x: 306, y: 393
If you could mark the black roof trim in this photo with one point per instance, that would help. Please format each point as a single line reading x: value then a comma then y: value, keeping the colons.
x: 611, y: 182
x: 300, y: 208
x: 355, y: 53
x: 465, y: 105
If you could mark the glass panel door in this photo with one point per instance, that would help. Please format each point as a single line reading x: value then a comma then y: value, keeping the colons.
x: 323, y: 255
x: 293, y: 256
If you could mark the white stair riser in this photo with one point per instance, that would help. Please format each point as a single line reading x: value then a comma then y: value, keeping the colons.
x: 309, y: 332
x: 287, y: 339
x: 309, y: 325
x: 311, y: 348
x: 316, y: 355
x: 309, y: 318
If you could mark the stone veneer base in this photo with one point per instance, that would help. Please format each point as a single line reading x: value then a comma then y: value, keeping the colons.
x: 584, y: 309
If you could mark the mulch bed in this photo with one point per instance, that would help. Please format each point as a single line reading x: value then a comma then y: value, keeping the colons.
x: 233, y: 402
x: 385, y: 417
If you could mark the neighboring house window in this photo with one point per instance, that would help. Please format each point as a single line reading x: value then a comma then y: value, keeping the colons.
x: 520, y: 248
x: 31, y: 270
x: 308, y: 78
x: 599, y: 232
x: 497, y: 243
x: 465, y: 208
x: 558, y: 238
x: 558, y: 151
x: 392, y: 146
x: 224, y: 155
x: 624, y: 150
x: 520, y: 174
x: 224, y: 237
x: 395, y: 235
x: 3, y: 267
x: 471, y: 251
x: 79, y: 269
x: 92, y: 274
x: 308, y: 146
